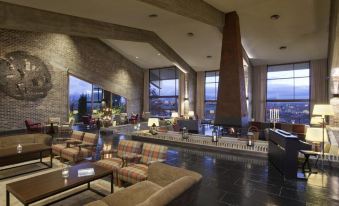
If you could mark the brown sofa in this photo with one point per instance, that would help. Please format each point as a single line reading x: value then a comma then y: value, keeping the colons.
x: 166, y: 185
x: 24, y: 139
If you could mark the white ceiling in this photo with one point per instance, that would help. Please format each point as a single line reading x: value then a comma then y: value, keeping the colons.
x: 303, y: 28
x: 142, y: 54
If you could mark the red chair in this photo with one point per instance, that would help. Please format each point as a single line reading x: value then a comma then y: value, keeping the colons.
x: 134, y: 119
x: 33, y: 127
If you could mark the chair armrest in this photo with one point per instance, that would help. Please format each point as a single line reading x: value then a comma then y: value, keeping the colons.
x: 36, y: 124
x: 111, y: 151
x: 154, y: 161
x: 131, y: 157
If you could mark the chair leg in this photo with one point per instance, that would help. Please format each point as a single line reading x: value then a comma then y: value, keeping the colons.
x: 119, y: 182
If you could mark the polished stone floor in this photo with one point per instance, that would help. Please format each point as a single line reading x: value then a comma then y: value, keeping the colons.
x: 230, y: 179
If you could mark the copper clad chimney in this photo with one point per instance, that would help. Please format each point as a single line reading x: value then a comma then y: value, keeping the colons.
x: 231, y: 110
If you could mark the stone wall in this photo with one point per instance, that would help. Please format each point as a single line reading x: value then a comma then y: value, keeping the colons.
x: 86, y: 58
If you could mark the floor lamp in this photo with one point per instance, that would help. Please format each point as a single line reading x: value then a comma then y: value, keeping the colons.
x: 323, y: 110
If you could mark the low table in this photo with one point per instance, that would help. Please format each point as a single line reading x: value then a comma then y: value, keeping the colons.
x: 53, y: 183
x: 10, y: 156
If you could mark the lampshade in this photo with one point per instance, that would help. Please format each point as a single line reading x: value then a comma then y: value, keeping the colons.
x: 175, y: 115
x: 314, y: 134
x: 191, y: 113
x: 95, y: 111
x: 317, y: 120
x: 211, y: 111
x: 75, y: 112
x: 323, y: 109
x: 152, y: 121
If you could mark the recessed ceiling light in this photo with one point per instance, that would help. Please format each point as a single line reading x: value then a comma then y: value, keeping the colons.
x: 283, y: 47
x: 190, y: 34
x: 159, y: 54
x: 209, y: 56
x: 153, y: 15
x: 137, y: 57
x: 275, y: 17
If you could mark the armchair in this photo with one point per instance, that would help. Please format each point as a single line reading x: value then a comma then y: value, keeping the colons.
x: 66, y: 128
x: 138, y: 172
x: 76, y: 137
x: 127, y: 151
x: 33, y: 127
x: 81, y: 151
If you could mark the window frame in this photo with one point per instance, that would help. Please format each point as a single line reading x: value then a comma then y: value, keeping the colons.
x: 290, y: 100
x: 176, y: 87
x: 217, y: 85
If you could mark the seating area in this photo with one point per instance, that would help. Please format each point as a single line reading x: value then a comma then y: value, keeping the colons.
x: 154, y: 103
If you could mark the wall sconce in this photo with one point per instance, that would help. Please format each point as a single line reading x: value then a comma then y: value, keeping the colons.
x: 335, y: 81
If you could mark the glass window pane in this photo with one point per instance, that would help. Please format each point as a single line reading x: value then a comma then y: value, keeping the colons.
x: 168, y: 73
x: 78, y: 87
x: 209, y: 110
x: 280, y: 74
x: 163, y: 106
x: 154, y: 75
x: 210, y: 91
x: 302, y: 88
x: 280, y: 89
x: 290, y: 112
x: 154, y: 88
x: 302, y: 73
x: 167, y: 87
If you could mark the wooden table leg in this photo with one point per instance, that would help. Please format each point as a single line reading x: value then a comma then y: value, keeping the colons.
x: 112, y: 182
x: 7, y: 198
x: 51, y: 158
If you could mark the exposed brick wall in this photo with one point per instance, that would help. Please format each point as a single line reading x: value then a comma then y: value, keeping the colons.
x: 87, y: 58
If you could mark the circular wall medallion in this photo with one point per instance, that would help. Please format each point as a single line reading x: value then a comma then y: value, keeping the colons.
x: 24, y: 77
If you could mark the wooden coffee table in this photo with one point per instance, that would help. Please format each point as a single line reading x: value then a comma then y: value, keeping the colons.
x: 53, y: 183
x: 10, y: 156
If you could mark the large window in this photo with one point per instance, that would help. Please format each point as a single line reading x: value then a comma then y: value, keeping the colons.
x: 85, y: 97
x: 288, y: 89
x: 164, y: 91
x: 211, y: 93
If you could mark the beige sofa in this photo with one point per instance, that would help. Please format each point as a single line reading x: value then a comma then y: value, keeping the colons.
x: 24, y: 139
x: 166, y: 185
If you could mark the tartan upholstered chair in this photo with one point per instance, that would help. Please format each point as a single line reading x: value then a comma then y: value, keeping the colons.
x: 127, y: 150
x: 81, y: 151
x: 76, y: 136
x: 138, y: 172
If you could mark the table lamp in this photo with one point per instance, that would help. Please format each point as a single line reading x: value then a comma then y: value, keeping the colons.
x: 175, y: 115
x: 323, y: 110
x: 153, y: 123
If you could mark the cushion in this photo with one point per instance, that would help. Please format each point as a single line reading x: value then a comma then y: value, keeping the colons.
x: 152, y: 152
x: 167, y: 194
x: 111, y: 163
x: 90, y: 138
x: 163, y: 174
x: 57, y: 148
x: 77, y: 135
x: 132, y: 195
x: 133, y: 173
x: 128, y: 146
x: 74, y: 154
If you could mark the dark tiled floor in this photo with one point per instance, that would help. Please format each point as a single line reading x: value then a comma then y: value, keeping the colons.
x: 229, y: 179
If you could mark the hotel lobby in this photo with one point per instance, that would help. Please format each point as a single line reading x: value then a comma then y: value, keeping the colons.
x: 181, y: 102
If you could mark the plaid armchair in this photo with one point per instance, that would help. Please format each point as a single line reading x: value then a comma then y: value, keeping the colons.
x: 127, y: 150
x: 82, y: 150
x: 76, y: 136
x: 134, y: 173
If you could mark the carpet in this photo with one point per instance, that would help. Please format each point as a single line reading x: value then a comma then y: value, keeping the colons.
x: 79, y: 199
